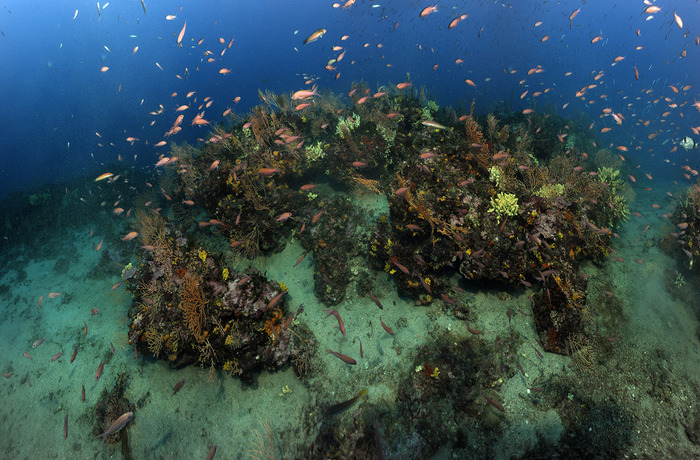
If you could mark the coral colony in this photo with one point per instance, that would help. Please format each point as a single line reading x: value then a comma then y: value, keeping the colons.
x: 520, y: 202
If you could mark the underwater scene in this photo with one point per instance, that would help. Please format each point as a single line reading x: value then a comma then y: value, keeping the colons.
x: 381, y: 229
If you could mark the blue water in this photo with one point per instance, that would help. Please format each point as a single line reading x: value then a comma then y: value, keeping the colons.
x: 54, y: 93
x: 62, y: 118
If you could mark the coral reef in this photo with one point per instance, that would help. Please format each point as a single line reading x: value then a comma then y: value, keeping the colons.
x: 513, y: 206
x: 190, y: 309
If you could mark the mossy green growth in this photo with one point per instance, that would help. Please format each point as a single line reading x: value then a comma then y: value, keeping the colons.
x: 388, y: 135
x: 428, y: 109
x: 620, y: 210
x: 495, y: 174
x: 611, y: 177
x: 550, y: 191
x: 505, y: 204
x: 129, y: 266
x: 350, y: 123
x: 38, y: 198
x: 314, y: 152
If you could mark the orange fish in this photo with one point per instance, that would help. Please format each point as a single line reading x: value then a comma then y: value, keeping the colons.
x: 104, y: 176
x: 314, y: 36
x: 284, y: 216
x: 427, y: 10
x: 130, y: 236
x: 181, y: 35
x: 573, y: 15
x: 678, y: 19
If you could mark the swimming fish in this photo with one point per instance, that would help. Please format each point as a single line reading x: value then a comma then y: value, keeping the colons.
x: 314, y: 36
x: 117, y: 425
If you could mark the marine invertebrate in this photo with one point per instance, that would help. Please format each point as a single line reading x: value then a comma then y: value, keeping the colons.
x: 550, y: 191
x: 155, y: 341
x: 495, y: 175
x: 505, y: 204
x: 362, y: 183
x: 347, y: 123
x: 273, y: 324
x: 192, y: 305
x: 314, y: 152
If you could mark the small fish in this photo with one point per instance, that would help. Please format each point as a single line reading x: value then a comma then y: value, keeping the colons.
x: 117, y: 425
x: 678, y: 20
x: 104, y: 176
x: 314, y: 36
x: 304, y: 94
x: 335, y: 313
x: 284, y: 216
x: 342, y: 357
x: 335, y: 408
x: 432, y: 124
x: 38, y: 342
x: 386, y: 328
x: 179, y: 38
x: 178, y: 386
x: 98, y: 374
x: 573, y: 15
x: 56, y: 356
x: 276, y: 299
x: 428, y: 10
x: 130, y: 236
x: 268, y: 171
